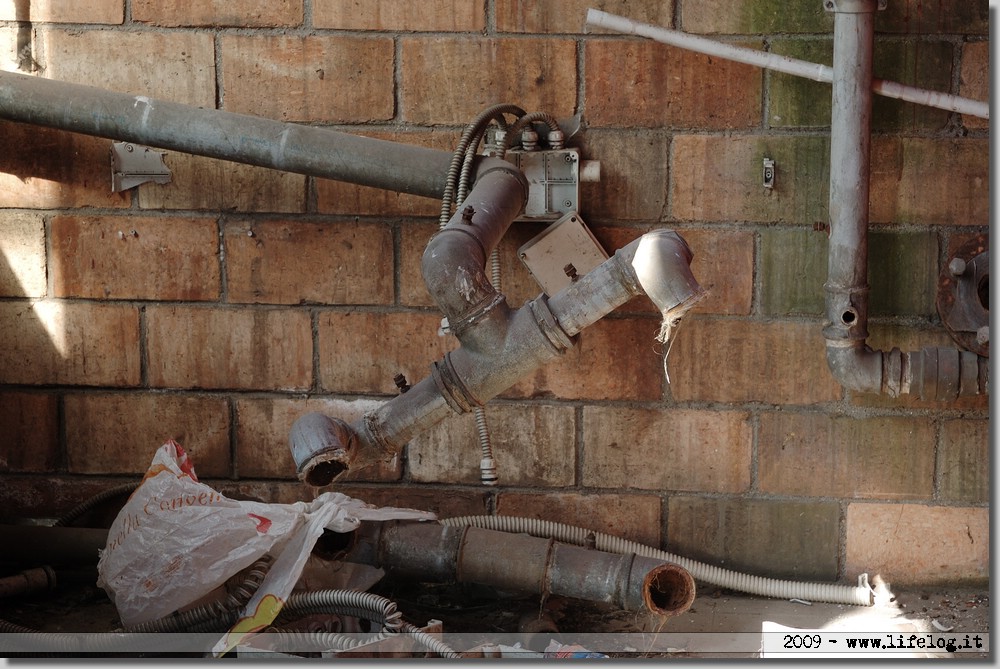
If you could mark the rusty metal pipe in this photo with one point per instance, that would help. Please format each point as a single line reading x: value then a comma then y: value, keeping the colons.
x: 522, y: 563
x: 36, y: 579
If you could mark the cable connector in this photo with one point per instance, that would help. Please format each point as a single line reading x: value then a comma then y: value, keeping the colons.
x: 488, y: 471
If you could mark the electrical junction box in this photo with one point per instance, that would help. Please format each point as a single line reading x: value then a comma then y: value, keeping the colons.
x: 553, y: 181
x: 563, y: 250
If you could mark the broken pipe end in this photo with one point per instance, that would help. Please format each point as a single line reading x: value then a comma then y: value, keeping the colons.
x: 323, y: 448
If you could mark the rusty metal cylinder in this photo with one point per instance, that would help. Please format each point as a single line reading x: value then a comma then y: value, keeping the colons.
x: 523, y: 563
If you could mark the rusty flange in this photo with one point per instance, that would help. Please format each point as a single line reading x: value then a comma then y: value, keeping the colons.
x: 963, y: 298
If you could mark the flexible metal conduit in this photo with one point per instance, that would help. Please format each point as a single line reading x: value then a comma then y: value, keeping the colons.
x: 252, y: 140
x: 861, y: 595
x: 784, y: 64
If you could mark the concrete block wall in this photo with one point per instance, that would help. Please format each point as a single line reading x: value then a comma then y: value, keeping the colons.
x: 218, y: 308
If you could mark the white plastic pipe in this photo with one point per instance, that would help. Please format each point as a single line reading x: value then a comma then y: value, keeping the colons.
x: 779, y: 63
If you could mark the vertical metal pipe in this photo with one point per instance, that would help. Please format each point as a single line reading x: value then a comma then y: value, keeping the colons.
x: 850, y: 166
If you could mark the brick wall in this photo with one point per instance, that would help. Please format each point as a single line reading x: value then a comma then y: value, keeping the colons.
x: 218, y: 308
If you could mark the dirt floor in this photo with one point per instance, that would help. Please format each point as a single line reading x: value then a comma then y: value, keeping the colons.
x: 719, y: 624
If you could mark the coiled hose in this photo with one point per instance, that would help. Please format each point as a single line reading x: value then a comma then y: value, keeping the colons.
x: 358, y: 604
x: 89, y: 504
x: 862, y: 595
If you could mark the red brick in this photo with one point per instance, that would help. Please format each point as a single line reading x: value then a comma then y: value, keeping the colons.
x: 634, y: 176
x: 361, y: 352
x: 272, y: 492
x: 22, y: 255
x: 884, y: 457
x: 329, y: 78
x: 175, y: 66
x: 206, y: 183
x: 30, y: 425
x: 135, y: 257
x: 120, y: 433
x: 754, y: 16
x: 930, y: 181
x: 71, y: 343
x: 448, y: 503
x: 773, y: 538
x: 569, y: 16
x: 532, y: 446
x: 741, y: 361
x: 614, y: 359
x: 263, y: 426
x: 292, y: 262
x: 537, y: 75
x: 51, y: 497
x: 400, y: 16
x: 62, y: 169
x: 79, y: 11
x: 962, y: 460
x: 633, y: 517
x: 681, y: 449
x: 723, y: 265
x: 718, y: 178
x: 243, y: 14
x: 647, y: 84
x: 916, y: 544
x: 975, y: 78
x: 339, y: 197
x: 247, y: 349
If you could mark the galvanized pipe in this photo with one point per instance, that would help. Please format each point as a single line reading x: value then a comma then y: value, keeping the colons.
x: 252, y: 140
x: 931, y: 373
x: 499, y: 346
x: 522, y: 563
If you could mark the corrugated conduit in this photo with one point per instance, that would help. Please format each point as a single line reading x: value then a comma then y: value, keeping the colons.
x: 862, y: 595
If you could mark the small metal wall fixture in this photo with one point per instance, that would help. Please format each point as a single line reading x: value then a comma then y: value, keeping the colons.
x: 132, y: 165
x: 963, y: 299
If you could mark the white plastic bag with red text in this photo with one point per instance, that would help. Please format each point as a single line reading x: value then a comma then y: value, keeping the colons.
x: 176, y: 539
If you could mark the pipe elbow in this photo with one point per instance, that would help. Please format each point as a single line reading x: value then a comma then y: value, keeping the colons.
x: 855, y: 366
x: 454, y: 261
x: 661, y: 262
x: 323, y: 448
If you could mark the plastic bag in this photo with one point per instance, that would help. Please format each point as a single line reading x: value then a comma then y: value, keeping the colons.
x: 176, y: 540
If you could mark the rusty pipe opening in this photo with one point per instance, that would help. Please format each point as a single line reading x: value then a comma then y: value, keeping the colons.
x: 331, y: 545
x: 668, y: 589
x: 322, y: 447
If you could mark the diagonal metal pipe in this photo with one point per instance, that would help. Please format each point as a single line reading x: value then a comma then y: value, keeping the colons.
x: 241, y: 138
x: 933, y: 373
x: 499, y: 345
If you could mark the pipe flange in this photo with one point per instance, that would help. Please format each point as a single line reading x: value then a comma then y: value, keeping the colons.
x: 963, y: 296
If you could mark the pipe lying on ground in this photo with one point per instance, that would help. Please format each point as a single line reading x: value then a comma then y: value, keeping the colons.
x: 525, y: 564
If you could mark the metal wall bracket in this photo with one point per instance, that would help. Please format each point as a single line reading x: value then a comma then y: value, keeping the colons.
x: 768, y: 173
x: 132, y: 165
